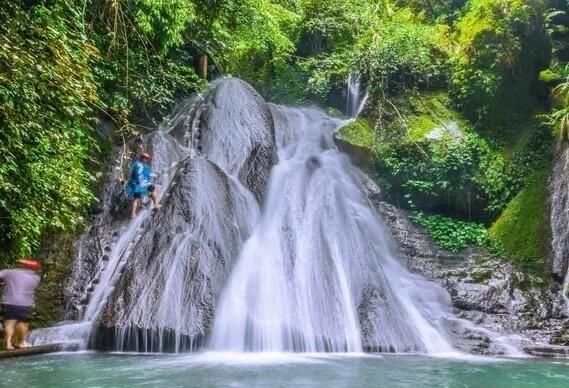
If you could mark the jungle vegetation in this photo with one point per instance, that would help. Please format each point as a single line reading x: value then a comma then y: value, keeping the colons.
x: 468, y: 99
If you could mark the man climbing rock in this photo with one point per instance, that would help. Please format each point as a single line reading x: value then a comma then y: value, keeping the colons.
x: 18, y: 299
x: 140, y: 183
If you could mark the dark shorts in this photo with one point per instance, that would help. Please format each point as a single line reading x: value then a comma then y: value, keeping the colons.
x: 16, y: 313
x: 151, y: 189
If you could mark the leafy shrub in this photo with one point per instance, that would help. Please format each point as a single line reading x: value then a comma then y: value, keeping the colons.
x: 559, y: 117
x: 47, y: 94
x: 501, y: 179
x: 433, y: 173
x: 451, y: 234
x: 402, y: 54
x: 502, y: 48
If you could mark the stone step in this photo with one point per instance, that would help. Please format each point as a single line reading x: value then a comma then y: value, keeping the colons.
x: 42, y: 349
x: 548, y: 351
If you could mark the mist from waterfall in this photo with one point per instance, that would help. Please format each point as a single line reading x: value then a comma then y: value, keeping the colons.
x: 318, y: 254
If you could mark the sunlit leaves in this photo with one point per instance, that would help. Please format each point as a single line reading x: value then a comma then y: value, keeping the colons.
x: 501, y: 47
x: 47, y: 96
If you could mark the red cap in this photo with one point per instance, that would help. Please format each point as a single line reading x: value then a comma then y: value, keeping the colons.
x: 145, y: 154
x: 30, y: 264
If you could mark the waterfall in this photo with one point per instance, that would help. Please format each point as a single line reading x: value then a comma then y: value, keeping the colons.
x: 266, y: 241
x: 319, y: 265
x: 166, y: 295
x: 355, y: 99
x: 115, y: 254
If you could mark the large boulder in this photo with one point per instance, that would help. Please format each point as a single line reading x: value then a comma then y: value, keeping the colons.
x: 233, y: 127
x: 220, y: 148
x: 110, y: 217
x: 167, y: 295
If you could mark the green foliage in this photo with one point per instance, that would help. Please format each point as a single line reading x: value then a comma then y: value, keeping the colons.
x: 501, y: 178
x: 502, y: 47
x: 440, y: 172
x: 163, y: 21
x: 145, y: 65
x: 46, y: 97
x: 64, y: 63
x: 451, y: 234
x: 559, y: 117
x: 401, y: 54
x: 522, y: 229
x: 466, y: 176
x: 387, y: 45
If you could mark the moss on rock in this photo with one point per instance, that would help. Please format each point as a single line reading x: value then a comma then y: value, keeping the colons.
x: 57, y: 255
x: 550, y: 77
x: 522, y: 228
x: 430, y: 111
x: 420, y: 126
x: 358, y: 133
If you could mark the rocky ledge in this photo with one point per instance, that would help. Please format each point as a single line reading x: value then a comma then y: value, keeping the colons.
x: 487, y: 291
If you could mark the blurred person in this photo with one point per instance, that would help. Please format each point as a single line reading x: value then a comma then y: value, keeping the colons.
x: 18, y: 299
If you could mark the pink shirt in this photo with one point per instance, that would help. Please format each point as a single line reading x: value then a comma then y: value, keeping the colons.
x: 19, y: 286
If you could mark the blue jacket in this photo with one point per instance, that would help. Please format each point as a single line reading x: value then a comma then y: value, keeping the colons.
x: 140, y: 178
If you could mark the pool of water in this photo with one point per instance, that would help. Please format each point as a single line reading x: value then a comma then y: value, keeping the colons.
x: 90, y: 370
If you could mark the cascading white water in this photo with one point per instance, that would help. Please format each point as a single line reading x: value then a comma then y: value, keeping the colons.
x: 355, y: 98
x: 167, y: 155
x: 165, y: 298
x: 316, y: 255
x: 310, y: 271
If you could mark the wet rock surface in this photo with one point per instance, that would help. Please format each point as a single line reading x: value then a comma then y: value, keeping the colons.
x: 178, y: 267
x: 170, y: 282
x: 106, y: 221
x: 559, y: 189
x: 233, y: 127
x: 212, y: 144
x: 489, y: 292
x: 548, y: 351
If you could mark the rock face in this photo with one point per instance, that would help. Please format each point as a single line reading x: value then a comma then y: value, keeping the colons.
x: 233, y: 127
x: 170, y: 285
x: 169, y: 281
x: 107, y: 222
x: 90, y: 247
x: 560, y: 215
x: 489, y: 292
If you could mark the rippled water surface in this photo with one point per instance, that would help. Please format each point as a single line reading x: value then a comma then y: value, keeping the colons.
x: 277, y: 370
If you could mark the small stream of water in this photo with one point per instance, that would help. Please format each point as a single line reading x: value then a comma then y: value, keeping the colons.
x: 356, y: 98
